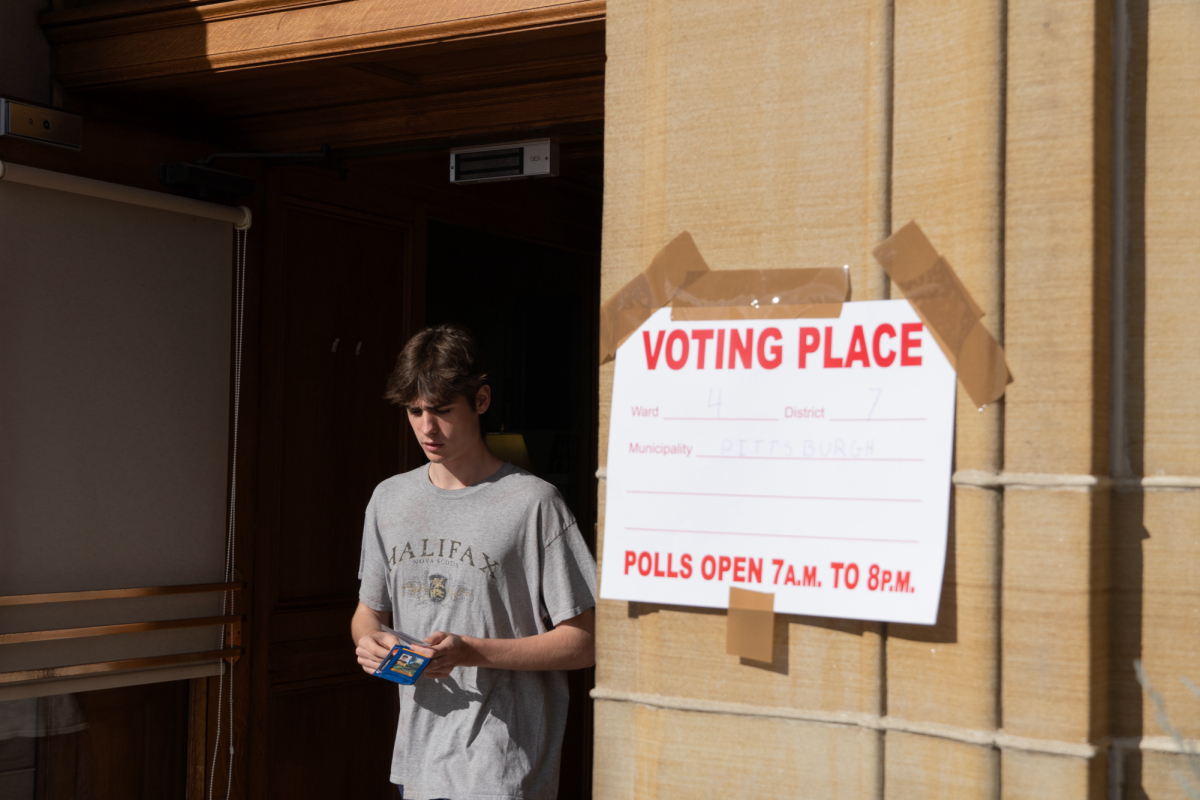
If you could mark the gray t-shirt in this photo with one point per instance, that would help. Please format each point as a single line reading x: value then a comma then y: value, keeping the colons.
x: 501, y: 559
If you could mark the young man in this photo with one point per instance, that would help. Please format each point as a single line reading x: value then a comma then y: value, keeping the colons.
x: 486, y: 562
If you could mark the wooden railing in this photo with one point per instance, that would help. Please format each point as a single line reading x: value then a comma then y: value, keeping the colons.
x: 232, y: 622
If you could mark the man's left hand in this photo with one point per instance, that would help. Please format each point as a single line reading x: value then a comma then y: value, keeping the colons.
x: 449, y: 651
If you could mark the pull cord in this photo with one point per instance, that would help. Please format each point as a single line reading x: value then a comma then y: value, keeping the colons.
x: 231, y: 528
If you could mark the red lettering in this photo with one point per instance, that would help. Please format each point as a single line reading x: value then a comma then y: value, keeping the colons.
x: 849, y: 584
x: 739, y: 569
x: 810, y: 341
x: 886, y: 579
x: 652, y: 355
x: 708, y: 568
x: 736, y: 347
x: 778, y: 562
x: 670, y: 572
x: 723, y: 567
x: 754, y: 569
x: 644, y: 558
x: 630, y: 560
x: 880, y: 332
x: 836, y: 566
x: 858, y: 348
x: 681, y: 337
x: 685, y: 565
x: 830, y: 361
x: 776, y: 349
x: 902, y: 582
x: 720, y: 348
x: 701, y: 338
x: 906, y: 344
x: 658, y: 573
x: 810, y: 576
x: 790, y: 580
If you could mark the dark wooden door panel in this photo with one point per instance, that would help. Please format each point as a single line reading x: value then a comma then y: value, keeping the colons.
x: 314, y: 659
x: 319, y: 623
x: 332, y: 742
x: 343, y: 315
x: 340, y: 286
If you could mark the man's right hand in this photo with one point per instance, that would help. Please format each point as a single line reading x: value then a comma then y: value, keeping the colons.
x: 373, y: 648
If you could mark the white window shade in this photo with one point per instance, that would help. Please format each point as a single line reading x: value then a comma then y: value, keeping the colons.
x: 115, y: 347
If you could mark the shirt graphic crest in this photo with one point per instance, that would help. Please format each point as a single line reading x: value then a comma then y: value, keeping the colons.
x: 437, y: 588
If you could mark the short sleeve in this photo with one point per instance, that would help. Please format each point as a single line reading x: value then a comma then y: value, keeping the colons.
x: 568, y: 574
x: 373, y: 589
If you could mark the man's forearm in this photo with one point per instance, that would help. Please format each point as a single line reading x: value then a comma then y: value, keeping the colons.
x: 569, y: 646
x: 367, y: 621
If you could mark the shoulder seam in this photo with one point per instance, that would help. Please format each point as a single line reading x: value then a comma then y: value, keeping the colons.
x: 560, y: 534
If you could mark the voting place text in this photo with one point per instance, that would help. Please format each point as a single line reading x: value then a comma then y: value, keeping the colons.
x: 808, y: 457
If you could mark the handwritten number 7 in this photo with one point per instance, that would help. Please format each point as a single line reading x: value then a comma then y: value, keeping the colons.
x: 877, y: 392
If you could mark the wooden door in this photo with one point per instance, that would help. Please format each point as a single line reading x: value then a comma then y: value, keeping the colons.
x: 337, y: 309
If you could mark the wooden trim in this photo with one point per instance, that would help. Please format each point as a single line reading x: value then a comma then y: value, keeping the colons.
x: 389, y: 73
x: 126, y: 16
x: 93, y: 58
x: 106, y: 630
x: 109, y: 594
x: 509, y: 73
x: 499, y: 111
x: 47, y: 673
x: 197, y: 754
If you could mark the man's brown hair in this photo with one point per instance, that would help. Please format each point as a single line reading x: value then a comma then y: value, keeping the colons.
x: 436, y: 365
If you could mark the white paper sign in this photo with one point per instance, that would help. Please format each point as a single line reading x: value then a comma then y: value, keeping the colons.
x: 806, y: 457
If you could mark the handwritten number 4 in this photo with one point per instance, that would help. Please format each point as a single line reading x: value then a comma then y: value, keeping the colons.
x: 716, y: 405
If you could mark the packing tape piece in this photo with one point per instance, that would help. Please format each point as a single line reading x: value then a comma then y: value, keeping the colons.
x: 637, y: 300
x: 814, y: 311
x: 679, y: 276
x: 750, y: 625
x: 948, y: 310
x: 762, y: 287
x: 762, y: 294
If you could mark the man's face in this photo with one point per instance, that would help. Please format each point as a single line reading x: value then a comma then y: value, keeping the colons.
x: 447, y: 431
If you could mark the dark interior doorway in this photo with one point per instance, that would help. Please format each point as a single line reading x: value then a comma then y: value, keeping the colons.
x: 352, y: 269
x: 534, y: 307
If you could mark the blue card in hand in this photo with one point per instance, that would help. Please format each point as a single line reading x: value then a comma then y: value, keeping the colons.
x: 402, y: 665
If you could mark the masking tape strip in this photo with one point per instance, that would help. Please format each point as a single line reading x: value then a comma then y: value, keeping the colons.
x: 750, y: 625
x: 679, y: 276
x: 813, y: 311
x: 636, y: 301
x: 762, y: 294
x: 947, y: 309
x: 762, y: 287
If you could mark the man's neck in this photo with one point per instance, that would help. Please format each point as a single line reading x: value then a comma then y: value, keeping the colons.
x: 467, y: 469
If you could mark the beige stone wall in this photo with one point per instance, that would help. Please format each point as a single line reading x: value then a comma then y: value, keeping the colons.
x: 800, y: 133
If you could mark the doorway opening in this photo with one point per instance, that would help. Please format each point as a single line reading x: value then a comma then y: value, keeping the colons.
x: 352, y: 268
